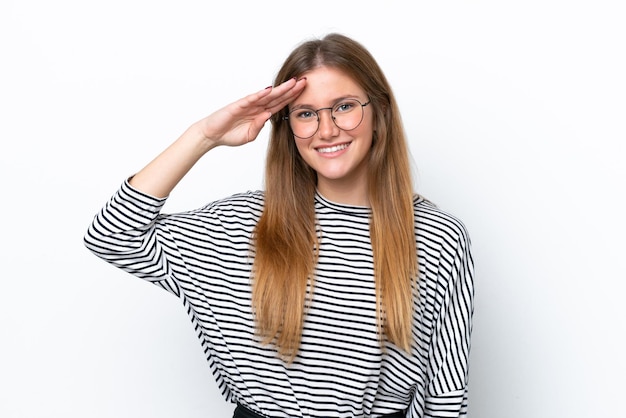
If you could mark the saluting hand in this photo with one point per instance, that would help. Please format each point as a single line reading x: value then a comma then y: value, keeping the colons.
x: 240, y: 122
x: 236, y: 124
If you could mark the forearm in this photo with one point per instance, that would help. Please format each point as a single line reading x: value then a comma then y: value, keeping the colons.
x: 162, y: 174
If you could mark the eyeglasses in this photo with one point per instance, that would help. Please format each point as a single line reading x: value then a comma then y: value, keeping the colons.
x: 346, y: 115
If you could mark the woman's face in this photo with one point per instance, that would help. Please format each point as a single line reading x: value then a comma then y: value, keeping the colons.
x: 338, y: 156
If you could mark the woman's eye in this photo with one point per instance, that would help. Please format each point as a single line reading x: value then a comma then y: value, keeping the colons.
x: 344, y: 107
x: 304, y: 114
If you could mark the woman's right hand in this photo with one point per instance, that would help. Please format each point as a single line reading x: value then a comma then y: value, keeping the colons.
x: 240, y: 122
x: 236, y: 124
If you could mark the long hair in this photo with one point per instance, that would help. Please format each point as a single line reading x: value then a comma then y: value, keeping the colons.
x: 285, y: 240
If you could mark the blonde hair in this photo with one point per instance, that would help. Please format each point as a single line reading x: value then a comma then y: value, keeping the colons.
x: 285, y: 241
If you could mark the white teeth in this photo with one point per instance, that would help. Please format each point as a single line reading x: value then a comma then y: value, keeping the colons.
x: 332, y: 149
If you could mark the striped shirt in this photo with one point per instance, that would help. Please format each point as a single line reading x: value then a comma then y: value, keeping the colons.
x: 203, y: 257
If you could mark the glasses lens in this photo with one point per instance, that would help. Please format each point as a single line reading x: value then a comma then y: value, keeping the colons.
x: 304, y: 122
x: 348, y: 114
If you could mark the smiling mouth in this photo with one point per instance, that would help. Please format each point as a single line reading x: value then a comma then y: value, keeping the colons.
x: 334, y: 148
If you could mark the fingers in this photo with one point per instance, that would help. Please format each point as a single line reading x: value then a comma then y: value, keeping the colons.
x: 288, y: 90
x: 272, y: 99
x: 285, y: 94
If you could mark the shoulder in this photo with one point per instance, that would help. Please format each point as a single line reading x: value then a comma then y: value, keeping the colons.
x: 251, y: 197
x: 251, y: 201
x: 437, y: 223
x: 240, y: 210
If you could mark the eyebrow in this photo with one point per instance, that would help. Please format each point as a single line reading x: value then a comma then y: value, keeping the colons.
x: 337, y: 100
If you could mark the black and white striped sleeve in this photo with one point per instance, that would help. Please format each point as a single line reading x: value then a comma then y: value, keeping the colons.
x: 450, y: 343
x: 123, y: 233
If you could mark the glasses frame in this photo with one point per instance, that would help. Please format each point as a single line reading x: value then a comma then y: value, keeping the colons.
x: 331, y: 117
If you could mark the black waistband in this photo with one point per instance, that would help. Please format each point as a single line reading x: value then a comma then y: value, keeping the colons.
x: 243, y: 412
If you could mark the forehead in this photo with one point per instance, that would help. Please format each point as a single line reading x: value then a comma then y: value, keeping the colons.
x: 324, y: 85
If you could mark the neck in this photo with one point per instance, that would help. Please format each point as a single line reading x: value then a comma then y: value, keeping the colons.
x: 347, y: 193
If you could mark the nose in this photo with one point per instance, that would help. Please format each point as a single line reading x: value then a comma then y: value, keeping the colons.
x: 327, y: 128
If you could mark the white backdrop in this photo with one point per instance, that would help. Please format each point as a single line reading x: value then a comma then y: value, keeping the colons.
x: 516, y: 117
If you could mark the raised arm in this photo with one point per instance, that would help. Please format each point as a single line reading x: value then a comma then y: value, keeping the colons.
x: 233, y: 125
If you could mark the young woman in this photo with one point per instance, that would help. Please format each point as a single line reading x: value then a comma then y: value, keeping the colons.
x: 336, y: 291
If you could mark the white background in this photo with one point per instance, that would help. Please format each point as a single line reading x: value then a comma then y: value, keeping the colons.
x: 515, y: 112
